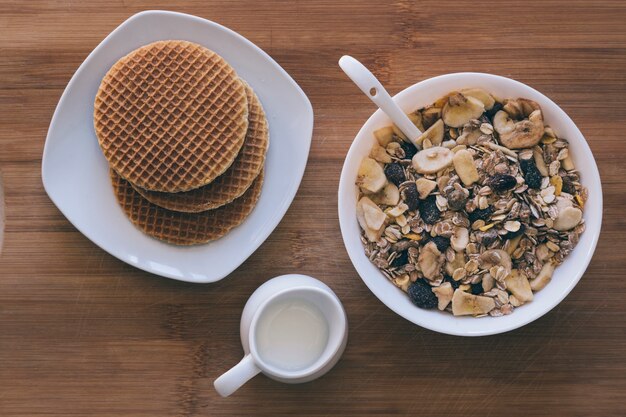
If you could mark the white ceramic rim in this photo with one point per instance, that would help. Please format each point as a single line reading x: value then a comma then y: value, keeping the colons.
x: 332, y: 346
x: 346, y: 208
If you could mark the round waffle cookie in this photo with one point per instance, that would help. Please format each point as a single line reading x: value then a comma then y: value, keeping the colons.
x: 235, y: 181
x: 184, y: 228
x: 171, y: 116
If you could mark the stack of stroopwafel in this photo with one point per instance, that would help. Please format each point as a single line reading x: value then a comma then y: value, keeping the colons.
x: 185, y: 138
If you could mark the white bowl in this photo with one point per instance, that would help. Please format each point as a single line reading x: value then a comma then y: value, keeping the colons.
x: 75, y: 172
x: 566, y: 275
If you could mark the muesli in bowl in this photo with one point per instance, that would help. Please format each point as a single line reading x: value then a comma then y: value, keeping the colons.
x: 476, y: 217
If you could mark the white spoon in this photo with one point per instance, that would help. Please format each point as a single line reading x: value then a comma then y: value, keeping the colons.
x: 373, y: 89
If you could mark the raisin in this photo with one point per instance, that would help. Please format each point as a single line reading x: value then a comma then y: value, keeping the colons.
x: 532, y: 176
x: 455, y: 284
x: 422, y: 295
x: 409, y: 150
x: 502, y: 182
x: 429, y: 211
x: 401, y: 259
x: 477, y: 289
x: 492, y: 112
x: 395, y: 173
x: 441, y: 242
x: 568, y: 186
x: 479, y: 214
x: 410, y: 196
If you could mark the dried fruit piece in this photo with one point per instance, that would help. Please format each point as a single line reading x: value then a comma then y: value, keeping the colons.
x: 432, y: 160
x: 543, y: 277
x: 467, y: 304
x: 557, y: 182
x: 374, y: 217
x: 568, y: 218
x: 403, y: 282
x: 517, y: 283
x: 370, y: 176
x: 429, y: 212
x: 416, y: 118
x: 430, y: 261
x: 388, y: 196
x: 365, y: 204
x: 397, y: 210
x: 433, y: 133
x: 384, y: 135
x: 425, y: 187
x: 395, y: 173
x: 480, y: 94
x: 478, y: 214
x: 460, y: 109
x: 413, y: 236
x: 520, y: 108
x: 397, y: 132
x: 444, y: 294
x: 422, y: 295
x: 502, y: 182
x: 532, y: 176
x: 410, y: 196
x: 523, y: 133
x: 380, y: 154
x: 579, y: 200
x: 465, y: 167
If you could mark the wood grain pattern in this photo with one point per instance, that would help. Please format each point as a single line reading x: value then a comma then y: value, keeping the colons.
x: 82, y: 333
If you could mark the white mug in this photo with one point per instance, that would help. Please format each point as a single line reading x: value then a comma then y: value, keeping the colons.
x: 275, y: 293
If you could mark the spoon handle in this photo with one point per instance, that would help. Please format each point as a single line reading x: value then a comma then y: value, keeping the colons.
x: 369, y: 84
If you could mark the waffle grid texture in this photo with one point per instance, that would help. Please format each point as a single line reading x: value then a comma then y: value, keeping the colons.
x: 171, y: 116
x: 184, y: 228
x: 237, y: 178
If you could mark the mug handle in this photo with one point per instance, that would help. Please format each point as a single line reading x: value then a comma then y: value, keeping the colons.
x: 236, y: 376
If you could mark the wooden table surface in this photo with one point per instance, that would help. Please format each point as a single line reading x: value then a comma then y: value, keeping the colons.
x: 82, y: 333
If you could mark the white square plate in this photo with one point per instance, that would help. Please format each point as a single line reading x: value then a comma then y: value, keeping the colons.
x: 75, y: 173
